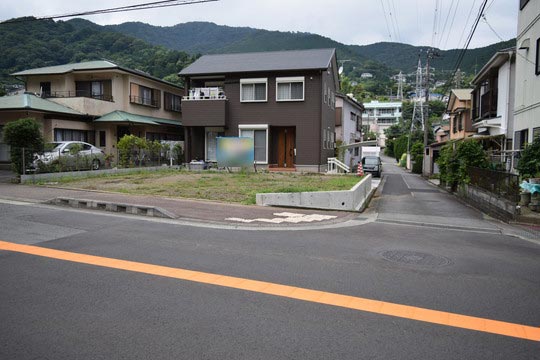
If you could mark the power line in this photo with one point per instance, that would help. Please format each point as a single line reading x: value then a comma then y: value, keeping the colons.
x: 142, y: 6
x: 386, y: 20
x: 395, y: 18
x: 451, y: 25
x: 445, y: 23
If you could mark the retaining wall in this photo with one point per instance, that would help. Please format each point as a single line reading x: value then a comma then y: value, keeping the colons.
x: 32, y: 178
x: 350, y: 200
x: 489, y: 203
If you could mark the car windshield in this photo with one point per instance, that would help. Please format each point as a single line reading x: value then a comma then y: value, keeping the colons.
x: 371, y: 161
x: 55, y: 146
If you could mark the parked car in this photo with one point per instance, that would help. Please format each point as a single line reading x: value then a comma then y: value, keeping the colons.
x: 373, y: 165
x: 69, y: 155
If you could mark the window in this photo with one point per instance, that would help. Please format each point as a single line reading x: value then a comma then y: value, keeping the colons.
x: 290, y: 89
x: 70, y: 135
x: 101, y: 90
x: 325, y: 98
x: 356, y: 151
x: 259, y: 134
x: 144, y: 95
x: 536, y: 133
x: 253, y: 90
x: 172, y: 102
x: 102, y: 138
x: 537, y: 67
x: 45, y: 89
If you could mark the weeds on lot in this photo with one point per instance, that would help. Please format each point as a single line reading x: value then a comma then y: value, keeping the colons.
x: 239, y: 187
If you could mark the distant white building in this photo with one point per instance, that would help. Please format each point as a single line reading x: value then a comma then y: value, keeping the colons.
x: 527, y: 92
x: 349, y: 127
x: 366, y: 75
x: 380, y: 116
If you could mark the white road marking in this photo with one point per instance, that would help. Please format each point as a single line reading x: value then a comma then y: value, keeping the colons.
x: 286, y: 217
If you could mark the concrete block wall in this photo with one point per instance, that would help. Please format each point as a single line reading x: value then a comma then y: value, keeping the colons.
x: 488, y: 202
x: 350, y: 200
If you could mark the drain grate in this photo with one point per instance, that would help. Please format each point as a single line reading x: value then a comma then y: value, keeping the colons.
x: 415, y: 258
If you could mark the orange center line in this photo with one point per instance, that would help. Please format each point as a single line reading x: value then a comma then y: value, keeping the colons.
x: 292, y: 292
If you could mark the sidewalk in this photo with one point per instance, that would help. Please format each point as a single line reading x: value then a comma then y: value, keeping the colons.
x: 185, y: 209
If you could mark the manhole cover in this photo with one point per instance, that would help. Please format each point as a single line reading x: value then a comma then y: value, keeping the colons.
x: 415, y: 258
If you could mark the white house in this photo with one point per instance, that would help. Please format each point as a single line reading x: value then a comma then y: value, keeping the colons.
x: 493, y: 96
x: 527, y: 94
x: 380, y: 116
x: 349, y: 127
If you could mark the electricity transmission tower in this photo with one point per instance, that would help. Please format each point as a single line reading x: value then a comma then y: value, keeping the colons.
x: 400, y: 86
x: 417, y: 120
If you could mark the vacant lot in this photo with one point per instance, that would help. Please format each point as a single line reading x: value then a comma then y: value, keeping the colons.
x: 221, y: 186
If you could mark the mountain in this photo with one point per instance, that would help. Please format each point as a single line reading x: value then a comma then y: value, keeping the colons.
x: 30, y: 43
x: 163, y: 51
x: 405, y: 57
x: 208, y: 38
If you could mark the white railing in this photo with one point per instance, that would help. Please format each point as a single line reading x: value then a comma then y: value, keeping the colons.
x: 207, y: 93
x: 335, y: 166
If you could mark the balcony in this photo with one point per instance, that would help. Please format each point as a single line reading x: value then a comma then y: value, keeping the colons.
x: 204, y: 107
x: 146, y: 101
x: 77, y: 93
x: 488, y: 104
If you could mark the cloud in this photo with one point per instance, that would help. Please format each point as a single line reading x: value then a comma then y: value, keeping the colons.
x: 347, y: 21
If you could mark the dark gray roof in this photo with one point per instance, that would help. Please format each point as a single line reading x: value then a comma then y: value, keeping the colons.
x: 261, y: 61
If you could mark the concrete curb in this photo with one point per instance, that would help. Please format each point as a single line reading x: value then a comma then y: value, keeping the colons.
x: 132, y: 209
x: 348, y: 200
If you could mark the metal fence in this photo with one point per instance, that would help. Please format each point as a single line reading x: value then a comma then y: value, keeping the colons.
x: 84, y: 157
x: 502, y: 184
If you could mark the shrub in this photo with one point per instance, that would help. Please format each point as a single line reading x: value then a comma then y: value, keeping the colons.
x: 403, y: 160
x: 400, y: 146
x: 454, y: 160
x: 23, y: 134
x: 529, y: 162
x: 418, y: 164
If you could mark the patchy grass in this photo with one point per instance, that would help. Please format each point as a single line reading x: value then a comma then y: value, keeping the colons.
x: 209, y: 185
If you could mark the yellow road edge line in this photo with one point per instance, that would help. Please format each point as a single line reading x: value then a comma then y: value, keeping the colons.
x: 292, y: 292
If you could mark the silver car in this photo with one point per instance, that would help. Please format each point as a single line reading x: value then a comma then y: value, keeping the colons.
x: 69, y: 155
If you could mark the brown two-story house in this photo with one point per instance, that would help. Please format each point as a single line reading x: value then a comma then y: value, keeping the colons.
x: 284, y: 100
x: 105, y: 102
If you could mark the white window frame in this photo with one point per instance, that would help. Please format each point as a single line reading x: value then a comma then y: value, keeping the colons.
x: 294, y: 79
x: 256, y: 127
x: 253, y: 81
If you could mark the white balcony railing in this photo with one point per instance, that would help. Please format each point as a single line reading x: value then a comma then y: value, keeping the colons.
x: 206, y: 93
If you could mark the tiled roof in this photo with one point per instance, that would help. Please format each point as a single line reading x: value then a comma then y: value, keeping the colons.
x: 122, y: 116
x: 261, y: 61
x: 86, y: 66
x: 28, y: 101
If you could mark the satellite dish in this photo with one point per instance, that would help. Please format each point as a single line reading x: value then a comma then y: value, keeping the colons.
x: 340, y: 71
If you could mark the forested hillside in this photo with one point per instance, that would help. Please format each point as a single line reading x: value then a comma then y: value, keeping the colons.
x: 164, y: 51
x: 31, y: 44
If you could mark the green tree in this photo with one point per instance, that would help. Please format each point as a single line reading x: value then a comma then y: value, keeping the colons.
x: 529, y: 162
x: 25, y: 138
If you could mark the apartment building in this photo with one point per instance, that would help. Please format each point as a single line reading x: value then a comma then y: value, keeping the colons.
x: 380, y: 116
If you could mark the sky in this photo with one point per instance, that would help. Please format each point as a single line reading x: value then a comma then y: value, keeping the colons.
x: 358, y: 22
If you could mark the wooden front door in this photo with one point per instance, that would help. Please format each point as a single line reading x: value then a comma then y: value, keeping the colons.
x: 286, y: 145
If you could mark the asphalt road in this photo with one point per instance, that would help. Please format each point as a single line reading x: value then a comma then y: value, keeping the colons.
x: 425, y: 249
